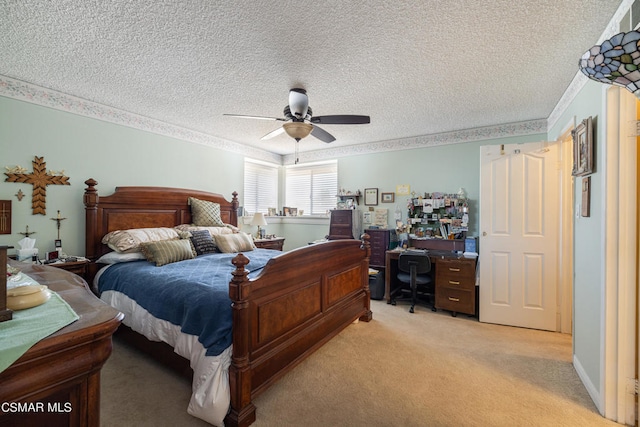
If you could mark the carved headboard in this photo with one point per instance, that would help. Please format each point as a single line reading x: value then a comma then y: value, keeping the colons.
x: 143, y: 207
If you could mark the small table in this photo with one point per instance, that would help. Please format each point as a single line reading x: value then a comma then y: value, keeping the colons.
x: 76, y: 267
x: 276, y: 243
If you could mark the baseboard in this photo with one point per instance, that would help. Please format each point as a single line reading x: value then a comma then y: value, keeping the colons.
x: 586, y: 381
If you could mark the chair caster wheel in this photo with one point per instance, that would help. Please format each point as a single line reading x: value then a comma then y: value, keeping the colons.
x: 434, y: 309
x: 411, y: 310
x: 393, y: 302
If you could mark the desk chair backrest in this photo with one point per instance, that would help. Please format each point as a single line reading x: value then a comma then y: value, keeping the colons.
x: 420, y: 260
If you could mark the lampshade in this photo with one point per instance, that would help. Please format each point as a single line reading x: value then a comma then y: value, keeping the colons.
x: 616, y: 61
x: 297, y: 130
x: 258, y: 219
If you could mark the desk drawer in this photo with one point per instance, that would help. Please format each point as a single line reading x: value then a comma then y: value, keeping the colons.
x: 456, y: 281
x: 457, y: 267
x: 456, y: 300
x: 343, y: 217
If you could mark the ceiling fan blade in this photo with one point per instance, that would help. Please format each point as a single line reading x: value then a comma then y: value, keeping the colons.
x: 322, y: 134
x: 341, y: 120
x: 273, y: 133
x: 256, y: 117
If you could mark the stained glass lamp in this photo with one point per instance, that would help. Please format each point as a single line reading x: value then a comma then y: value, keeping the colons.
x: 616, y: 61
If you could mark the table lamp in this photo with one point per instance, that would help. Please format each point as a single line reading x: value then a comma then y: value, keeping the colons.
x: 259, y: 220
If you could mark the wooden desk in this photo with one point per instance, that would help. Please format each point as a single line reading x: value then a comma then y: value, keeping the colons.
x: 455, y: 280
x: 61, y: 373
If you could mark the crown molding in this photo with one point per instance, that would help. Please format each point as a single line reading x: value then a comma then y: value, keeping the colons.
x: 23, y: 91
x: 27, y: 92
x: 457, y: 137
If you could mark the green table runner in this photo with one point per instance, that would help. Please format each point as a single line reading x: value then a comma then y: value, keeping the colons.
x: 32, y: 325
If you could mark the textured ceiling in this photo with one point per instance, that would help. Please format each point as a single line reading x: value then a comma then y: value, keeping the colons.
x: 418, y: 67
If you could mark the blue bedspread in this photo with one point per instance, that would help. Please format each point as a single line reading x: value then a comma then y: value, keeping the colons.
x: 193, y: 294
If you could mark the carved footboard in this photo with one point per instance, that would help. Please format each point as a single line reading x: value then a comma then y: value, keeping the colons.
x: 300, y: 300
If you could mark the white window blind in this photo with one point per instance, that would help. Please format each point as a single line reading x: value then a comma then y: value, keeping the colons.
x: 312, y: 187
x: 260, y: 186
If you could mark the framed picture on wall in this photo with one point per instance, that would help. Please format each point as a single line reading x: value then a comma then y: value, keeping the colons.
x: 586, y: 196
x: 387, y: 197
x: 583, y: 148
x: 370, y: 196
x: 403, y: 189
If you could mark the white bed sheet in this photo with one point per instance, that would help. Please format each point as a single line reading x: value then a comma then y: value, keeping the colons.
x: 210, y: 398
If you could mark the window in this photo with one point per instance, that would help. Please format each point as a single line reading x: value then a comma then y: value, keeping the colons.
x: 260, y: 186
x: 312, y: 187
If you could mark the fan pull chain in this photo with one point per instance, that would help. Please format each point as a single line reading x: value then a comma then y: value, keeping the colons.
x: 296, y: 151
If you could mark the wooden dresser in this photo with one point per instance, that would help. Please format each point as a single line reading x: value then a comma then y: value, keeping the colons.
x: 345, y: 224
x: 379, y: 241
x: 60, y: 375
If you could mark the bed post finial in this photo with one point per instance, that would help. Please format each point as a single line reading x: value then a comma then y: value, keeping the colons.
x: 365, y: 244
x: 90, y: 193
x: 243, y: 411
x: 234, y: 205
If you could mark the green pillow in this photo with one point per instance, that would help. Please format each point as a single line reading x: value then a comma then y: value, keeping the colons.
x: 168, y: 251
x: 205, y: 214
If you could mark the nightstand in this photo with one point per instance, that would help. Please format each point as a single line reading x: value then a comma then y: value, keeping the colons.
x: 76, y: 267
x: 276, y: 243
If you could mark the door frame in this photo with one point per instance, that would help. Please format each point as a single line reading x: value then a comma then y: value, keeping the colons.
x: 565, y: 246
x: 619, y: 346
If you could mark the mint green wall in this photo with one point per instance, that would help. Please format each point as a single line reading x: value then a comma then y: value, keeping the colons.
x: 443, y: 168
x: 111, y: 154
x: 588, y: 239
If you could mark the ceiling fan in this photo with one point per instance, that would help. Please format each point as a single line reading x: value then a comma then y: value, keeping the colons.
x: 300, y: 121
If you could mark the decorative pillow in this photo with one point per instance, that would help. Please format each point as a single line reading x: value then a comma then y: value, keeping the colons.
x: 130, y: 240
x: 204, y: 213
x: 236, y: 242
x: 168, y: 251
x: 117, y: 257
x: 227, y: 229
x: 203, y: 242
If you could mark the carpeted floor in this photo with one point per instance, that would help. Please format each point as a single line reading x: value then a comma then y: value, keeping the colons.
x: 401, y: 369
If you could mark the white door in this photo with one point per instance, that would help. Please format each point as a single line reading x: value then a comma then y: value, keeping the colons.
x: 519, y: 210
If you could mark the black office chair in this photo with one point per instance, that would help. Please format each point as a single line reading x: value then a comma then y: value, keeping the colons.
x: 415, y: 267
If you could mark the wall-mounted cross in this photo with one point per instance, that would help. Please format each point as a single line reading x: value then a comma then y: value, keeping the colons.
x: 39, y: 178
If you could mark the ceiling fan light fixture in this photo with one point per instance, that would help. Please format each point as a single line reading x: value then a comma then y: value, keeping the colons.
x: 297, y: 130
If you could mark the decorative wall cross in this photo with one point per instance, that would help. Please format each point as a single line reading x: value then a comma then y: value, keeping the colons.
x: 39, y: 178
x: 5, y: 216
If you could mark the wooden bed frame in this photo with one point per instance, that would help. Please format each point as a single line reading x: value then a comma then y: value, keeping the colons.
x: 301, y: 299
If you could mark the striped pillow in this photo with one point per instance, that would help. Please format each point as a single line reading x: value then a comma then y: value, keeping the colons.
x: 205, y: 214
x: 237, y: 242
x: 168, y: 251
